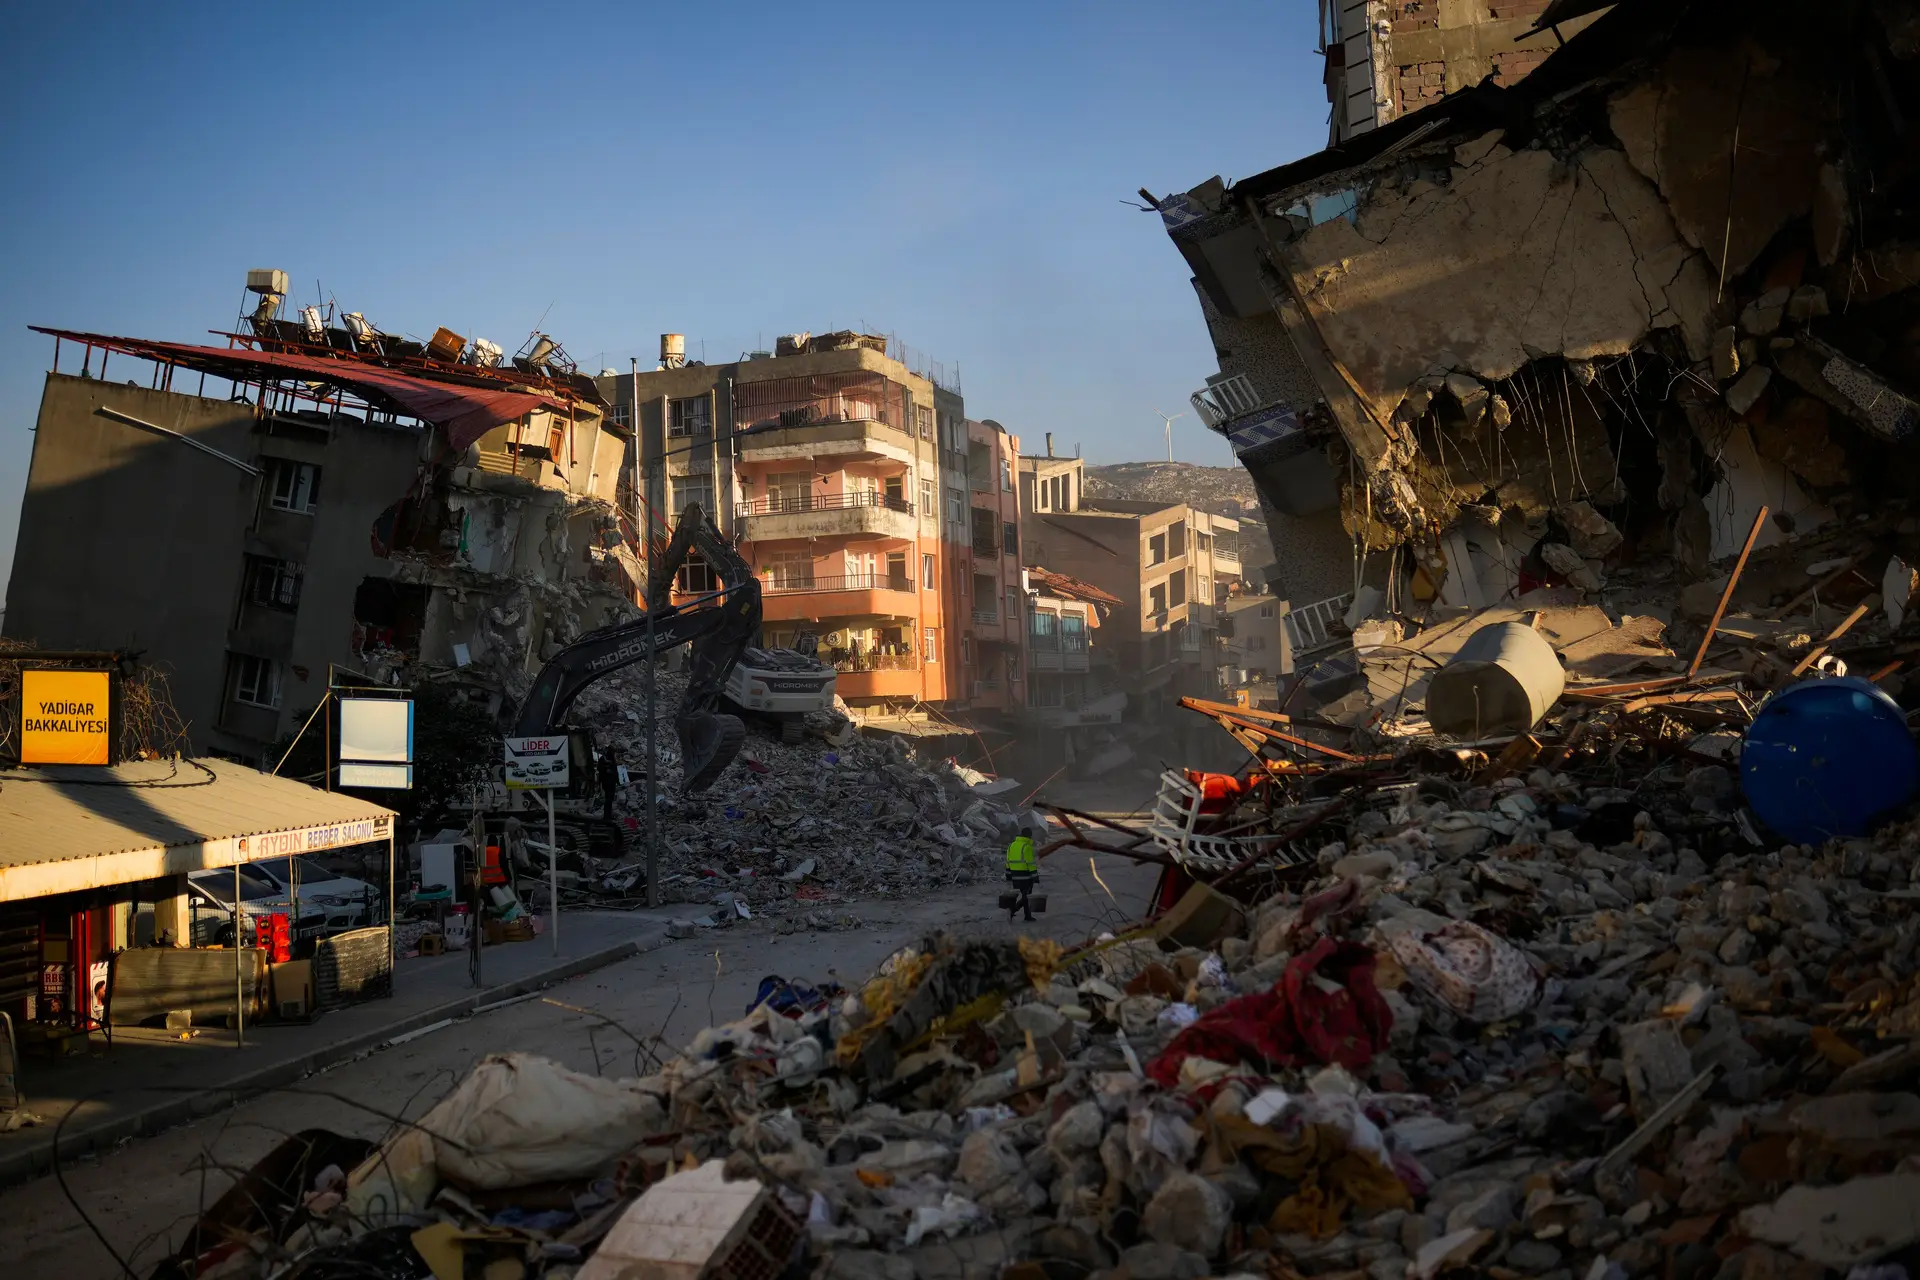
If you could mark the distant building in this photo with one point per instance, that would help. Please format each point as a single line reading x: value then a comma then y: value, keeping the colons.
x: 1169, y: 566
x: 318, y: 499
x: 1256, y: 647
x: 836, y: 467
x: 994, y: 653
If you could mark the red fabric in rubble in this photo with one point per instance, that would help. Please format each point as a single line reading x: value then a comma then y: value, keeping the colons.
x: 1294, y: 1023
x: 1216, y: 789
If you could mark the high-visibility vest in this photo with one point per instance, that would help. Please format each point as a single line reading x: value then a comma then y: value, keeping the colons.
x: 491, y: 872
x: 1020, y: 856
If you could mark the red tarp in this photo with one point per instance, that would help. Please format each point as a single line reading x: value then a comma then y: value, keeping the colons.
x: 463, y: 413
x: 1295, y: 1022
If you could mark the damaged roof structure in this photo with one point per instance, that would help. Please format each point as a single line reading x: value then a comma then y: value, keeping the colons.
x: 329, y: 497
x: 1602, y: 314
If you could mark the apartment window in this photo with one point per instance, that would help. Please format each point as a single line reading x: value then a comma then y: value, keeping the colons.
x: 896, y: 487
x: 789, y: 490
x: 1176, y: 541
x: 1043, y: 627
x: 957, y: 507
x: 1266, y: 611
x: 1202, y: 541
x: 791, y: 570
x: 1157, y: 549
x: 1256, y: 643
x: 690, y: 417
x: 1073, y: 632
x: 926, y: 499
x: 619, y: 415
x: 1059, y: 487
x: 1010, y: 537
x: 927, y: 579
x: 697, y: 487
x: 930, y: 645
x: 897, y: 571
x: 256, y: 681
x: 1006, y: 475
x: 1177, y: 589
x: 1157, y: 598
x: 698, y: 577
x: 1013, y: 603
x: 274, y: 583
x: 1203, y: 590
x: 923, y: 417
x: 295, y: 486
x: 966, y: 649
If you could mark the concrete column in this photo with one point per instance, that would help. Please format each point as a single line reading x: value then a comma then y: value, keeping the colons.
x: 171, y: 918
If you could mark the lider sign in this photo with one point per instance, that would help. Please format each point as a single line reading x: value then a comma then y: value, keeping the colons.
x: 63, y: 717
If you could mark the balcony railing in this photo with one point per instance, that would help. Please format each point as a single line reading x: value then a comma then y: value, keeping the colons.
x: 986, y: 617
x: 793, y: 584
x: 878, y: 662
x: 1317, y: 625
x: 1056, y: 642
x: 783, y: 503
x: 1226, y: 555
x: 1226, y: 396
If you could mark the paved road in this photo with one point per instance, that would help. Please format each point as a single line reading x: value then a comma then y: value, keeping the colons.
x: 147, y: 1192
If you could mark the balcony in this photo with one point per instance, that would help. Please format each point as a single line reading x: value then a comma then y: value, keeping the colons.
x: 1317, y: 626
x: 878, y: 675
x: 866, y: 514
x: 1225, y: 397
x: 986, y: 617
x: 818, y: 597
x: 1049, y: 653
x: 858, y: 440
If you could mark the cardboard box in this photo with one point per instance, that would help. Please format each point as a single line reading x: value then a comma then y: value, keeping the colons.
x: 1201, y: 918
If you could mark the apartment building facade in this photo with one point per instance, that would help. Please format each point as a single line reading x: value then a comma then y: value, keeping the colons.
x: 994, y: 650
x: 1169, y: 566
x: 1256, y: 647
x: 825, y: 461
x: 393, y: 513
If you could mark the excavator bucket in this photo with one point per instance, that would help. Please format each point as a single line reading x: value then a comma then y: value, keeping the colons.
x: 708, y: 744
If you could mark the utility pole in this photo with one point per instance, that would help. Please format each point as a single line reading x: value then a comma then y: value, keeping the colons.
x: 1168, y: 419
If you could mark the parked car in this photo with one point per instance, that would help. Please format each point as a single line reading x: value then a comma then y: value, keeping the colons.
x: 349, y: 902
x: 210, y: 908
x: 329, y: 903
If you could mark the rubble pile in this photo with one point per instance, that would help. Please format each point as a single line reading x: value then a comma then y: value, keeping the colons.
x: 835, y: 816
x: 1577, y: 1022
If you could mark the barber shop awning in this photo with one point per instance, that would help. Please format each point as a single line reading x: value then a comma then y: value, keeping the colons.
x: 65, y: 828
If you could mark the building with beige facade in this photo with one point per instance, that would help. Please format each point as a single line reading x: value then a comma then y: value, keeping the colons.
x: 825, y: 459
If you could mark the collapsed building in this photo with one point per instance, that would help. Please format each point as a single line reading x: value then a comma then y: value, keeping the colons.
x: 326, y: 495
x: 1602, y: 314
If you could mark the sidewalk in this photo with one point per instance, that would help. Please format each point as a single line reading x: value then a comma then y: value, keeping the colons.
x: 151, y: 1081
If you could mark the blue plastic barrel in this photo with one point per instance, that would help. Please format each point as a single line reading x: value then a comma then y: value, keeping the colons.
x: 1827, y: 758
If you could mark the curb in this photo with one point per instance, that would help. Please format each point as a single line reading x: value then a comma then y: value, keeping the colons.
x: 24, y: 1166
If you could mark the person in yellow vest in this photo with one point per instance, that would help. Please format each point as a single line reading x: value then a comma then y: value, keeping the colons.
x: 1023, y: 870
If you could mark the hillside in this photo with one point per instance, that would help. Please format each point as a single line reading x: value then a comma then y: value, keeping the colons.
x: 1224, y: 489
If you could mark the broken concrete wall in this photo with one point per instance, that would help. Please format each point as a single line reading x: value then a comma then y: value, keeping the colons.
x: 1500, y: 259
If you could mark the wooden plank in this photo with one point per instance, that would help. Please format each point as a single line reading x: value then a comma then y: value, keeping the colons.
x: 1681, y: 699
x: 1813, y: 654
x: 1733, y: 580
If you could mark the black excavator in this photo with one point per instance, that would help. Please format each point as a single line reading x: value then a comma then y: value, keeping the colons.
x: 719, y: 625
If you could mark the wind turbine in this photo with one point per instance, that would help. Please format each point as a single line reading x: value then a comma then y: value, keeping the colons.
x: 1169, y: 420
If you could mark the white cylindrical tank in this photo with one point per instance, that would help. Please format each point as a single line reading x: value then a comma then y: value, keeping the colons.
x: 673, y: 350
x: 1503, y: 679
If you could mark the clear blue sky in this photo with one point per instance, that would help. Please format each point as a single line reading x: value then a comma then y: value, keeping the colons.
x: 952, y: 173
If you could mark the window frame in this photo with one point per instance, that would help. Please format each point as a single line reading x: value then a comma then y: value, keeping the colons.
x: 930, y: 642
x: 929, y: 575
x: 260, y: 669
x: 677, y: 425
x: 287, y: 474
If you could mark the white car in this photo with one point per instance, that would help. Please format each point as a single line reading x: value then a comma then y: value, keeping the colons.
x: 339, y: 902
